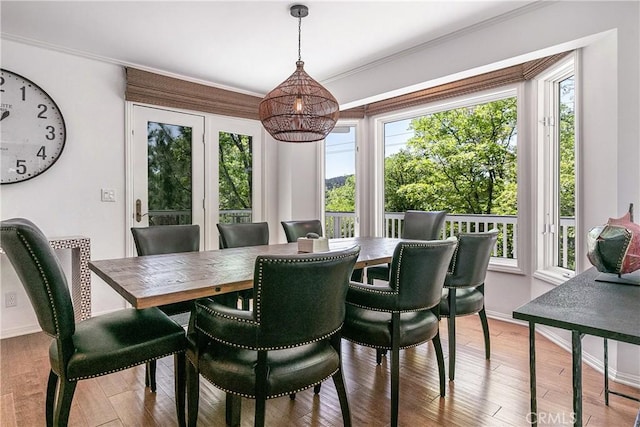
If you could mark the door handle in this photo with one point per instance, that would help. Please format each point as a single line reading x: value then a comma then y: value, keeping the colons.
x: 139, y: 213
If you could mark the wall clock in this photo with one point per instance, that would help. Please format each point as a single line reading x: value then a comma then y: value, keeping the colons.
x: 32, y: 128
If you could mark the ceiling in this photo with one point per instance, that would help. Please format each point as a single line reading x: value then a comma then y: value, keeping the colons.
x: 250, y: 46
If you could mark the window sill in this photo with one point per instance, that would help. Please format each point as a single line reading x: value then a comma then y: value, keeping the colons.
x: 503, y: 265
x: 553, y: 276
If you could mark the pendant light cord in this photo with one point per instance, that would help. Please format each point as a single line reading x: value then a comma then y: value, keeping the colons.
x: 299, y: 36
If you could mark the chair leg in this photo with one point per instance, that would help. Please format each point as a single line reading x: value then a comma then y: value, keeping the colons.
x: 485, y: 326
x: 451, y: 323
x: 395, y: 368
x: 261, y: 388
x: 193, y: 394
x: 63, y: 402
x: 485, y: 331
x: 316, y: 388
x: 52, y: 385
x: 179, y: 362
x: 379, y: 353
x: 245, y: 304
x: 233, y: 406
x: 150, y: 375
x: 341, y: 388
x: 437, y: 345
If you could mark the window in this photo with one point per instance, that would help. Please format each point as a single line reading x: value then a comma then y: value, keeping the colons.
x: 558, y: 175
x: 460, y: 157
x: 340, y: 181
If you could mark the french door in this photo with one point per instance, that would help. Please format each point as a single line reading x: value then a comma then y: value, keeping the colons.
x: 167, y: 177
x: 192, y: 169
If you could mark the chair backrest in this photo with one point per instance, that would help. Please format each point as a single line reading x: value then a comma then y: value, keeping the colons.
x: 295, y: 229
x: 423, y: 225
x: 41, y: 275
x: 243, y: 234
x: 166, y: 239
x: 468, y: 267
x: 418, y: 272
x: 301, y: 298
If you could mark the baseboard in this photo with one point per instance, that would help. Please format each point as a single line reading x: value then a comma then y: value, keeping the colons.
x: 594, y: 362
x: 31, y: 329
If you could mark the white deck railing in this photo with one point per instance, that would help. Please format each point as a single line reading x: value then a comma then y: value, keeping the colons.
x: 342, y: 224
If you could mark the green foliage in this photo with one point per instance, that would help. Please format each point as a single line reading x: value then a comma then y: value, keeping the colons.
x: 461, y: 160
x: 342, y: 198
x: 169, y: 167
x: 235, y: 176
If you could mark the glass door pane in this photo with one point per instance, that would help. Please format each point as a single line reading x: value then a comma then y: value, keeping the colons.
x: 169, y: 173
x: 235, y: 177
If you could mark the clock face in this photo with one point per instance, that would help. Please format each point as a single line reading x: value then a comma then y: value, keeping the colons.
x: 32, y: 127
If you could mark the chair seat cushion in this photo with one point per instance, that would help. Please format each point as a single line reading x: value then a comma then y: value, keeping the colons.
x: 468, y: 301
x: 373, y: 328
x: 379, y: 272
x: 119, y: 340
x: 289, y: 370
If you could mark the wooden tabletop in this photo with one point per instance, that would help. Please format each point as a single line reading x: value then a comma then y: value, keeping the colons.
x: 148, y: 281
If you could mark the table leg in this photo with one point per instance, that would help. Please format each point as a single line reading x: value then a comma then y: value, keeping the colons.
x: 532, y: 374
x: 606, y: 372
x: 576, y: 343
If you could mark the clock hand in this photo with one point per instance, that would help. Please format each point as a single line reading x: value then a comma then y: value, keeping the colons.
x: 5, y: 114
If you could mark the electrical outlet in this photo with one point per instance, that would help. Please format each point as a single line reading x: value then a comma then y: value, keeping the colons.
x: 107, y: 195
x: 10, y: 299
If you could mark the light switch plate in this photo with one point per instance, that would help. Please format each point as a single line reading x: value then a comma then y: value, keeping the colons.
x: 108, y: 195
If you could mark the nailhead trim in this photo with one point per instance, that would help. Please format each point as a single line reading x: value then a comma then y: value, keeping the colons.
x: 43, y: 277
x: 284, y: 347
x: 384, y: 310
x: 263, y: 261
x: 250, y: 396
x: 384, y: 347
x: 124, y: 367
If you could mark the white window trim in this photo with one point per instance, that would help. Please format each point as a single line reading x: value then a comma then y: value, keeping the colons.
x: 546, y: 199
x: 515, y: 266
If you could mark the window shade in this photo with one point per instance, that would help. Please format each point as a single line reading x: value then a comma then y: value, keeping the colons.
x: 156, y: 89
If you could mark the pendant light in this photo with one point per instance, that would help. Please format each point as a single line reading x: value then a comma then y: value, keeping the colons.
x: 299, y: 109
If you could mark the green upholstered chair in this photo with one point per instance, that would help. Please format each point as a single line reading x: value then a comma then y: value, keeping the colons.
x: 463, y: 292
x: 96, y: 346
x: 403, y: 312
x: 417, y: 225
x: 290, y: 341
x: 295, y: 229
x: 239, y: 235
x: 166, y: 239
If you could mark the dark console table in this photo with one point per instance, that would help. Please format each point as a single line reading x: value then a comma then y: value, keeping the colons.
x: 583, y: 305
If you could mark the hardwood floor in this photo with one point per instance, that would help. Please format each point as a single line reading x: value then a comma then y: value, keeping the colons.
x: 485, y: 393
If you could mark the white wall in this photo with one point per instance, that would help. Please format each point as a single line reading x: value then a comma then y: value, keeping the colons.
x: 65, y: 200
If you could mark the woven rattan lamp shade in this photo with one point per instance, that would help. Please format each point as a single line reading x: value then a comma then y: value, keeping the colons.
x: 299, y: 109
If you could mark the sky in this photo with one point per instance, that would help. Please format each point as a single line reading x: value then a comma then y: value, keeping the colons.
x: 340, y: 146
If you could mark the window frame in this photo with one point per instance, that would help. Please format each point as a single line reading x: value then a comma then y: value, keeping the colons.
x: 548, y: 101
x: 516, y: 265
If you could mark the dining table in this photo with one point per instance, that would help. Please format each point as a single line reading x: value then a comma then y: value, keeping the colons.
x: 154, y: 280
